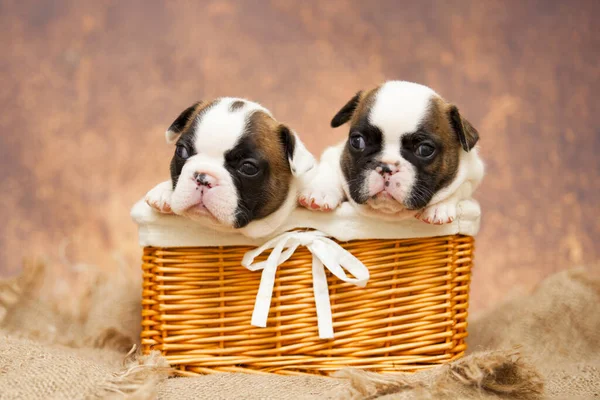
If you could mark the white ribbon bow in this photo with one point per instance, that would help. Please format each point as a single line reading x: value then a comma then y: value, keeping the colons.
x: 325, y: 253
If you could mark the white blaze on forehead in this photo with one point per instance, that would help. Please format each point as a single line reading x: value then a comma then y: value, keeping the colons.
x: 398, y: 109
x: 220, y: 128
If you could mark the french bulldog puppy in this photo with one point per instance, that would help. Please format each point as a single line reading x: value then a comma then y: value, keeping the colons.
x: 234, y: 167
x: 409, y: 153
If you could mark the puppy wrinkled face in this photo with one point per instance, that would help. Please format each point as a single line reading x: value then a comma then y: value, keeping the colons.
x: 403, y: 146
x: 231, y: 163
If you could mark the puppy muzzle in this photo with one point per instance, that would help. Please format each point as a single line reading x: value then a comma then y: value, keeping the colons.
x: 205, y: 191
x: 388, y: 185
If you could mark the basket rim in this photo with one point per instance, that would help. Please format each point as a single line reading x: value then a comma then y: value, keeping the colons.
x: 344, y: 224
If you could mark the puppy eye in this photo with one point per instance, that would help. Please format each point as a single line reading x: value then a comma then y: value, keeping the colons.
x: 425, y: 150
x: 182, y: 152
x: 357, y: 141
x: 248, y: 168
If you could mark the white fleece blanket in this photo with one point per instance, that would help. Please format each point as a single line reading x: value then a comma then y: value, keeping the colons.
x: 161, y: 230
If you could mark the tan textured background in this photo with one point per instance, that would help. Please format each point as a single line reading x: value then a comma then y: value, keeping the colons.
x: 88, y: 88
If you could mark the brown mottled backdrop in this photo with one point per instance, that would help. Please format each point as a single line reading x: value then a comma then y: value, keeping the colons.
x: 88, y: 88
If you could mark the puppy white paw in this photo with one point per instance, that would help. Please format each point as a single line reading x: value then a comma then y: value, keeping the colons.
x: 320, y: 200
x: 159, y: 197
x: 438, y: 214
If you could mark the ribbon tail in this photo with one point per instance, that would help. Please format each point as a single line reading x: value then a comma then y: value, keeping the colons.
x: 262, y: 305
x: 321, y: 291
x: 260, y: 314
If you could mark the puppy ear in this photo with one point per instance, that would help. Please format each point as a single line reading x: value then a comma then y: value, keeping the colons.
x: 300, y: 159
x: 466, y: 133
x: 346, y: 112
x: 176, y: 128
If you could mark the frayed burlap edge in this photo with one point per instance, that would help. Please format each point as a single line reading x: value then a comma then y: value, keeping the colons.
x: 496, y: 374
x: 139, y: 378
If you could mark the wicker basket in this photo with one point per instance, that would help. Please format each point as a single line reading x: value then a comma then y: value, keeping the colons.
x: 198, y: 303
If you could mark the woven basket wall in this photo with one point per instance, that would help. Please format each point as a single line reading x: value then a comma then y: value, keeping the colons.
x: 198, y: 302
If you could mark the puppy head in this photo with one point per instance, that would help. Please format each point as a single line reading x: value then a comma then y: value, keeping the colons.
x: 233, y: 162
x: 404, y: 145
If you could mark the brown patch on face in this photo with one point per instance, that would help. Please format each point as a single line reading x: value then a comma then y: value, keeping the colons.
x: 437, y: 123
x: 266, y: 136
x: 237, y: 105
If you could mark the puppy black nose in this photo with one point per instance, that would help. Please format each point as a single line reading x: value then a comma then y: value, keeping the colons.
x: 201, y: 179
x: 387, y: 169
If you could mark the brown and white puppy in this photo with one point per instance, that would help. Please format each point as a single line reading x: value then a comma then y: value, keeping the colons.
x: 408, y: 153
x: 234, y: 167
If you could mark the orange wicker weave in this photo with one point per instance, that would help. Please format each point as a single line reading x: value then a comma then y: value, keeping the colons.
x: 198, y: 302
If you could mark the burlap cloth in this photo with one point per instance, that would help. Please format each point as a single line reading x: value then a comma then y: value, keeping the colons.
x: 74, y: 336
